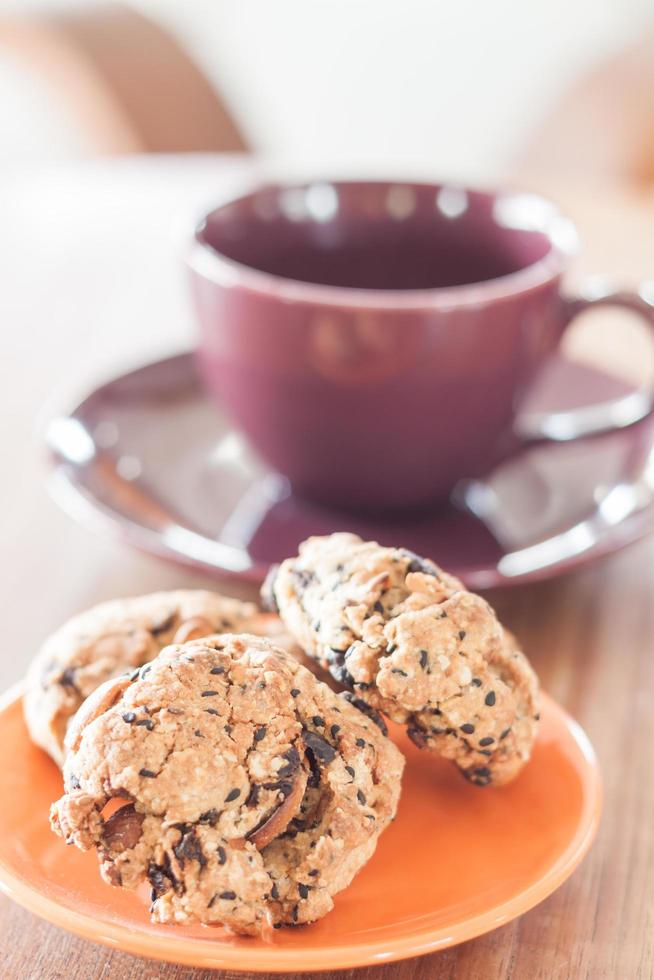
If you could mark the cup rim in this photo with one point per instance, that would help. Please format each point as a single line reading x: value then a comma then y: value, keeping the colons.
x: 211, y: 264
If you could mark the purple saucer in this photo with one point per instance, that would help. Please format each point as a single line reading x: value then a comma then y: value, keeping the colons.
x: 149, y: 457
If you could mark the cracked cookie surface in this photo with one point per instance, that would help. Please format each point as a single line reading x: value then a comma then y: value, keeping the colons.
x: 120, y: 635
x: 251, y: 793
x: 411, y: 641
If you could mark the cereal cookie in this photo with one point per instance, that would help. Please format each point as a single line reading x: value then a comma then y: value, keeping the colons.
x: 118, y: 636
x: 410, y: 640
x: 252, y: 792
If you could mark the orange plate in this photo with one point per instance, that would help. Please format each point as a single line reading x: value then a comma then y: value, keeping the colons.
x: 457, y: 862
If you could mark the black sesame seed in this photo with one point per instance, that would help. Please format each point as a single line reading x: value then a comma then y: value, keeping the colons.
x: 462, y: 634
x: 217, y: 670
x: 468, y: 728
x: 424, y: 658
x: 318, y: 721
x: 274, y: 891
x: 260, y: 733
x: 222, y: 856
x: 482, y: 772
x: 277, y: 925
x: 418, y: 564
x: 147, y: 723
x: 486, y: 741
x: 294, y: 692
x: 335, y: 729
x: 295, y: 913
x: 147, y: 773
x: 396, y: 670
x: 490, y: 699
x: 378, y: 607
x: 350, y: 771
x: 129, y: 717
x: 361, y: 798
x: 361, y: 742
x: 198, y: 733
x: 228, y: 896
x: 232, y: 795
x: 209, y: 694
x: 313, y: 873
x: 211, y: 711
x: 476, y: 681
x: 209, y: 816
x: 228, y: 729
x: 303, y: 891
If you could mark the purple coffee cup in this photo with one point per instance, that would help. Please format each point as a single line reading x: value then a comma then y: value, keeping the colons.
x: 375, y: 341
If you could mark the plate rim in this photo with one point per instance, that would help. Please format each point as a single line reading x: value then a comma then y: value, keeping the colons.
x: 187, y: 951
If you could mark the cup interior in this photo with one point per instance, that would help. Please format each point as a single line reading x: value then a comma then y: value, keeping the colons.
x: 382, y: 235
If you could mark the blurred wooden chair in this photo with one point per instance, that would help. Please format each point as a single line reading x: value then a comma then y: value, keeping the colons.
x: 603, y: 126
x: 126, y: 83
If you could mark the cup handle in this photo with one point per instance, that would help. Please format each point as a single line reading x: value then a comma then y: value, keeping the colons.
x: 602, y: 417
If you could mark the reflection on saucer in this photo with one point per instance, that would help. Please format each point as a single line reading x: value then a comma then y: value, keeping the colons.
x: 150, y: 457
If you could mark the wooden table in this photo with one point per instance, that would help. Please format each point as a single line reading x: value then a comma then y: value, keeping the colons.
x: 90, y: 283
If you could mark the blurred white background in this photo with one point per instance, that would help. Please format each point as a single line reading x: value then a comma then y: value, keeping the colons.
x: 90, y: 245
x: 420, y: 86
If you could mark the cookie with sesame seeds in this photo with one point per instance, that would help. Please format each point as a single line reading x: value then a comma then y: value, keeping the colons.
x: 410, y: 641
x: 117, y: 636
x: 248, y: 792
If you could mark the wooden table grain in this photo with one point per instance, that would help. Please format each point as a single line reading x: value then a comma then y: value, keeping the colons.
x: 91, y: 282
